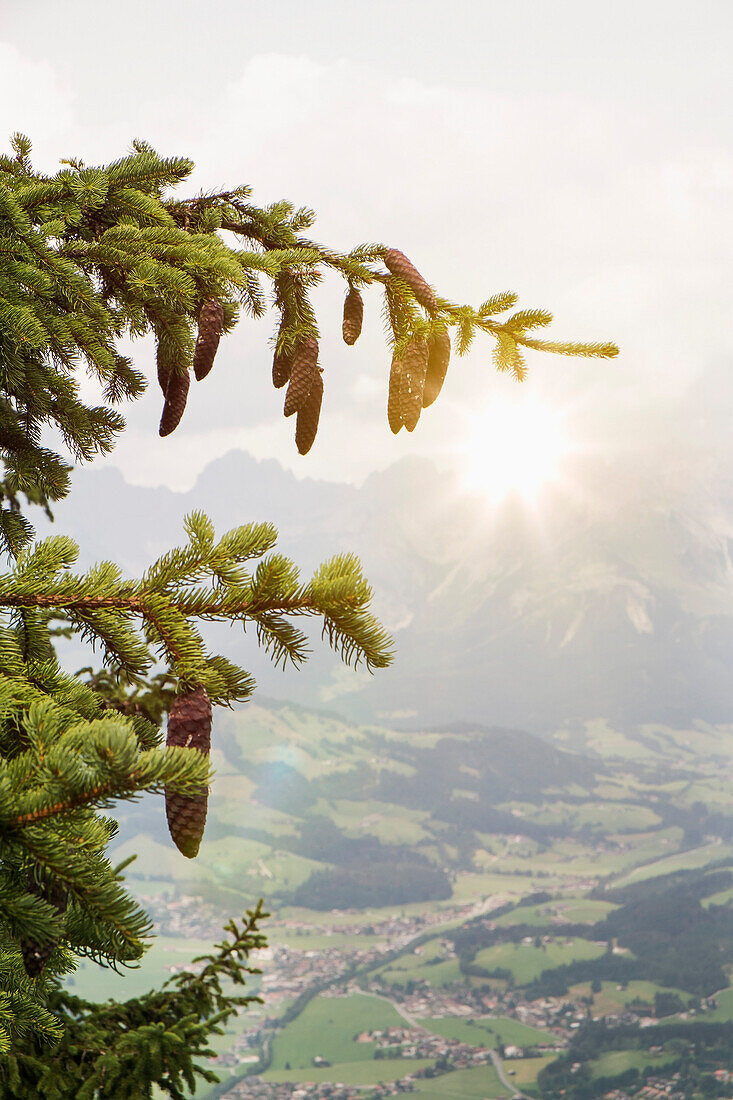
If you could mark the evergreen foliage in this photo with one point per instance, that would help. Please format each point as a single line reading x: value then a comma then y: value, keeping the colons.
x: 113, y: 1051
x: 89, y: 256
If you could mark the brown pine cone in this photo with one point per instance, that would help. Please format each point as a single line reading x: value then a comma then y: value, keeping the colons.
x: 399, y: 265
x: 176, y: 396
x: 164, y: 368
x: 395, y: 400
x: 189, y: 726
x: 211, y: 325
x: 415, y: 365
x: 186, y: 816
x: 302, y: 376
x: 353, y: 316
x: 438, y: 360
x: 282, y: 365
x: 306, y: 424
x: 35, y: 956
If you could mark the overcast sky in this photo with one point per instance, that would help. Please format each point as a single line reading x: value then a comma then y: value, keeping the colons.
x: 578, y: 153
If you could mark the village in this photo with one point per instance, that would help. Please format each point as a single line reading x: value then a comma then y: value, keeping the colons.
x: 663, y: 1087
x: 359, y: 963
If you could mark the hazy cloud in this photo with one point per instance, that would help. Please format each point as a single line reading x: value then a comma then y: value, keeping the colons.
x: 602, y: 209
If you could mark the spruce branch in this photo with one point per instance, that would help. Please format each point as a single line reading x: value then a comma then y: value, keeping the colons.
x: 205, y: 580
x: 96, y: 253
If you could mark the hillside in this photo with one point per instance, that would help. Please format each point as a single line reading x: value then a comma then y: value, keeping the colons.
x: 496, y: 887
x: 310, y: 810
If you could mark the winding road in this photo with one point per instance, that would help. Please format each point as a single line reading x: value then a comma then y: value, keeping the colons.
x: 499, y: 1067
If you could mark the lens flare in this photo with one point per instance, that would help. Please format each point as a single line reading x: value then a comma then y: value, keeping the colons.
x: 513, y: 449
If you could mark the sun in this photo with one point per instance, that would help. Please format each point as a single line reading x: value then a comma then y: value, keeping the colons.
x: 513, y: 448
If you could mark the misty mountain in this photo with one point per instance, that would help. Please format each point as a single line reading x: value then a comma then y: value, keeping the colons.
x: 612, y: 596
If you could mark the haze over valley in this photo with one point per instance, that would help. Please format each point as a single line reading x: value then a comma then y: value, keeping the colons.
x: 521, y: 828
x: 610, y: 596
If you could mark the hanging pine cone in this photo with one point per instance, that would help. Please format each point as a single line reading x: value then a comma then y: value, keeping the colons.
x: 438, y: 360
x: 306, y: 424
x: 282, y: 365
x: 302, y: 376
x: 211, y: 325
x: 353, y: 316
x: 164, y: 368
x: 415, y: 365
x: 189, y: 726
x: 400, y: 266
x: 35, y: 956
x: 395, y: 399
x: 176, y: 396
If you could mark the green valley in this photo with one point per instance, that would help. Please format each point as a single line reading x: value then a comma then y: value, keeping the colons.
x: 451, y: 909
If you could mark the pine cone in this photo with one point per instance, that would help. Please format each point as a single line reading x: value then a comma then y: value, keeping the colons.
x: 35, y: 956
x: 400, y: 266
x: 211, y: 325
x: 438, y: 360
x: 164, y: 369
x: 395, y: 400
x: 306, y: 424
x: 353, y: 316
x: 189, y: 726
x: 302, y: 376
x: 282, y: 365
x: 176, y: 396
x: 415, y: 365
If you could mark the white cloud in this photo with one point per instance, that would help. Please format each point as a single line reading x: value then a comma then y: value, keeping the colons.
x: 597, y: 209
x: 32, y: 101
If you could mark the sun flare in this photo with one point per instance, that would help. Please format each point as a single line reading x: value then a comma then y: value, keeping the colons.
x: 513, y: 448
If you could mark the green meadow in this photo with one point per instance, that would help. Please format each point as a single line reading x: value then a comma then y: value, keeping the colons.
x: 526, y: 962
x: 328, y: 1027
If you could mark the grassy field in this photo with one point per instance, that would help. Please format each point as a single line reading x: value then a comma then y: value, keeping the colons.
x: 328, y: 1027
x: 568, y: 859
x: 367, y: 916
x: 420, y: 964
x: 415, y: 969
x: 575, y: 910
x: 528, y: 914
x: 526, y: 962
x: 612, y: 1062
x: 487, y: 1031
x: 153, y: 859
x: 725, y: 897
x: 608, y: 742
x: 696, y: 857
x: 320, y: 941
x: 526, y: 1069
x: 231, y: 805
x: 724, y: 1012
x: 370, y: 1072
x: 462, y: 1084
x: 706, y: 741
x: 511, y: 1031
x: 391, y: 824
x: 469, y: 885
x: 612, y: 997
x: 585, y: 910
x: 613, y: 816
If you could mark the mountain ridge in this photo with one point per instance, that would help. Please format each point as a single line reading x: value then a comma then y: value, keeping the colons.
x: 612, y: 597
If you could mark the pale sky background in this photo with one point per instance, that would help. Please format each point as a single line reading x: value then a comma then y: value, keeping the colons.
x: 578, y: 153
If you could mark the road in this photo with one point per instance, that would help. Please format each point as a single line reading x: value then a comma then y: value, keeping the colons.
x: 498, y: 1066
x: 403, y: 1013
